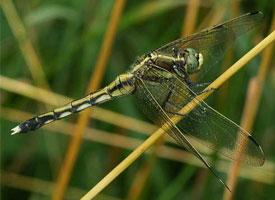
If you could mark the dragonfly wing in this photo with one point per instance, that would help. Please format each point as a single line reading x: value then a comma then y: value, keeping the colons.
x: 155, y: 111
x: 203, y: 126
x: 212, y: 42
x: 220, y: 134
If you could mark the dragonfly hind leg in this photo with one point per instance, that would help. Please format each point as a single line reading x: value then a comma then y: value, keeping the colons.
x: 170, y: 111
x: 175, y: 113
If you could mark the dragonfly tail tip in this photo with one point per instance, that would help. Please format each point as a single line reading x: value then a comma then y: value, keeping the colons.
x: 15, y: 130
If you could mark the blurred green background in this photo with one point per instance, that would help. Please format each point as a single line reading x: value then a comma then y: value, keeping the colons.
x: 67, y: 37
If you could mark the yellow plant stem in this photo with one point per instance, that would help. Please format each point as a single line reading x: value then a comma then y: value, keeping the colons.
x: 35, y: 67
x: 51, y: 98
x: 95, y: 80
x: 186, y: 109
x: 263, y: 175
x: 191, y: 13
x: 144, y: 172
x: 25, y: 44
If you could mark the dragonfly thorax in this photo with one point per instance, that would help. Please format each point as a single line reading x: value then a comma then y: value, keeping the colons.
x: 182, y: 62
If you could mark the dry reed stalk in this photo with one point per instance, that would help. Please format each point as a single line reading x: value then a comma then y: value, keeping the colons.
x: 25, y: 44
x: 95, y: 80
x: 91, y: 134
x: 223, y: 93
x: 188, y: 108
x: 214, y: 17
x: 48, y: 97
x: 199, y: 181
x: 224, y: 90
x: 190, y: 21
x: 141, y: 177
x: 235, y: 8
x: 26, y: 183
x: 146, y: 168
x: 144, y: 172
x: 251, y: 106
x: 265, y: 175
x: 191, y: 13
x: 35, y: 67
x: 22, y: 157
x: 115, y: 153
x: 39, y: 186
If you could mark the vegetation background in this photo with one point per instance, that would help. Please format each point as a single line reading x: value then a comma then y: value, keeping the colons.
x: 60, y: 45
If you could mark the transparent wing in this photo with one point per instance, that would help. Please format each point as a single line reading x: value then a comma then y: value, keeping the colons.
x: 152, y: 108
x: 212, y: 42
x: 203, y: 126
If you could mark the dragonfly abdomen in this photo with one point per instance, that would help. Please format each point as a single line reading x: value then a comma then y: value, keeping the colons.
x: 119, y: 87
x: 61, y: 112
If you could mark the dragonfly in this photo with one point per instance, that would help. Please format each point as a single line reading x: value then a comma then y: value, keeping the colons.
x: 162, y: 82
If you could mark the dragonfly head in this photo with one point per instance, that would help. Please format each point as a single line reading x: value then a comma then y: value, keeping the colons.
x: 193, y: 61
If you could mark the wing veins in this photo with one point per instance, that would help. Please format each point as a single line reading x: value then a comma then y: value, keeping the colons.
x: 181, y: 139
x: 204, y: 107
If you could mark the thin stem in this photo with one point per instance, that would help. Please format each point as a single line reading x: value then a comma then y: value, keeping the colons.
x: 144, y: 171
x: 128, y: 143
x: 188, y: 108
x: 35, y: 67
x: 25, y: 44
x: 49, y: 97
x: 95, y: 80
x: 190, y: 17
x: 215, y: 15
x: 189, y: 23
x: 39, y: 186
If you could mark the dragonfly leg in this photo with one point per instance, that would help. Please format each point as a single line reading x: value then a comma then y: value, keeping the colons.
x: 207, y: 90
x: 192, y: 84
x: 198, y: 88
x: 199, y: 84
x: 175, y: 113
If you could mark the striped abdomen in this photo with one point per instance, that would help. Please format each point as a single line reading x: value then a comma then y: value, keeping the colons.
x: 121, y: 86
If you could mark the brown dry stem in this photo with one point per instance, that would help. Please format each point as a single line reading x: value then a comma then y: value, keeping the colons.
x: 264, y: 175
x: 160, y: 132
x: 95, y: 80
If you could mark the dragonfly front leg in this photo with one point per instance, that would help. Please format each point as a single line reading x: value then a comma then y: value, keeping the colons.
x: 170, y: 108
x: 199, y: 88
